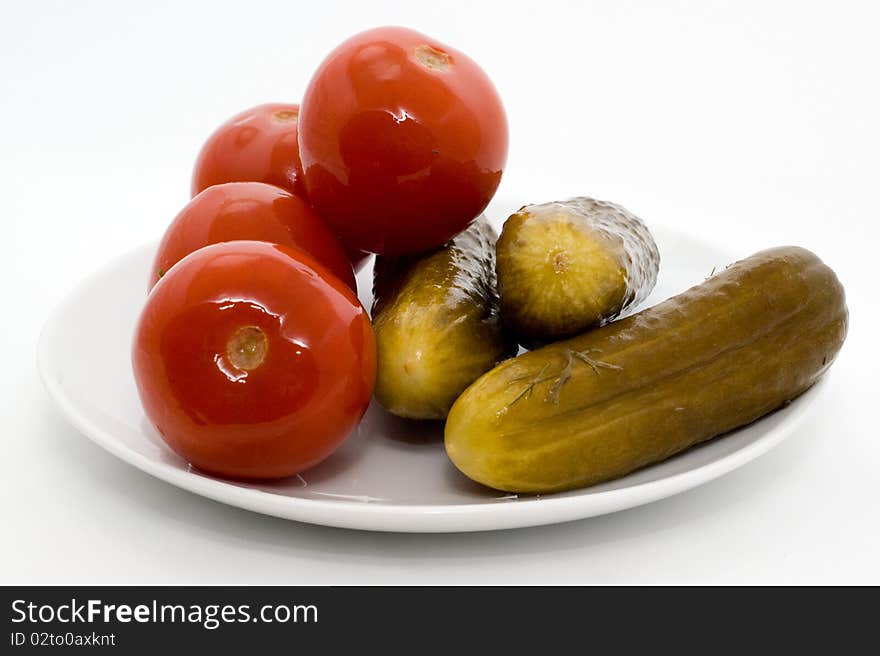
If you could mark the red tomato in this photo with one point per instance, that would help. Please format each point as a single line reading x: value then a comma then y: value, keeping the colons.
x: 258, y: 145
x: 252, y: 360
x: 250, y: 210
x: 402, y: 139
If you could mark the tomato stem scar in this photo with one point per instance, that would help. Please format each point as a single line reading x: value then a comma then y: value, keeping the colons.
x: 432, y: 58
x: 247, y: 348
x: 286, y: 115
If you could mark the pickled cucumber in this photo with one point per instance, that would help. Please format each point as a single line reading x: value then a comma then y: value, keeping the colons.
x: 643, y: 388
x: 566, y: 266
x: 437, y: 325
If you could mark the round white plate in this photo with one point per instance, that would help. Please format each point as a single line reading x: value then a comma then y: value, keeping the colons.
x: 391, y: 474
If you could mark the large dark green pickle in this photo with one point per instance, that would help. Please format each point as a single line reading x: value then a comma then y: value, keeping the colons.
x: 636, y: 391
x: 567, y: 266
x: 436, y: 322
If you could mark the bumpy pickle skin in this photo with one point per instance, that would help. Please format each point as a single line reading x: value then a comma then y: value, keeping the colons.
x: 637, y: 391
x: 437, y: 324
x: 566, y: 266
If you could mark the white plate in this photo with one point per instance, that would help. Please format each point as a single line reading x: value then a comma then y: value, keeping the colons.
x: 391, y: 474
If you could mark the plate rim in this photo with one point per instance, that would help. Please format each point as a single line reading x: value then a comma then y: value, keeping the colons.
x: 404, y: 518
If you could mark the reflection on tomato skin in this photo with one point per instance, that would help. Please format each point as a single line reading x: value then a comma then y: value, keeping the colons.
x: 253, y: 361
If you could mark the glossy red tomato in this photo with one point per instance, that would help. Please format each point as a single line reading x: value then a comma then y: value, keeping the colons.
x: 402, y: 139
x: 258, y: 145
x: 252, y: 360
x: 255, y: 211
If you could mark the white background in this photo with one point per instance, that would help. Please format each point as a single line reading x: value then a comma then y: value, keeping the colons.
x: 746, y: 124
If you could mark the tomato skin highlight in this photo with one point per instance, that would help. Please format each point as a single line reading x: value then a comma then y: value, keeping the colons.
x: 250, y: 211
x: 256, y: 145
x: 402, y: 139
x: 252, y: 360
